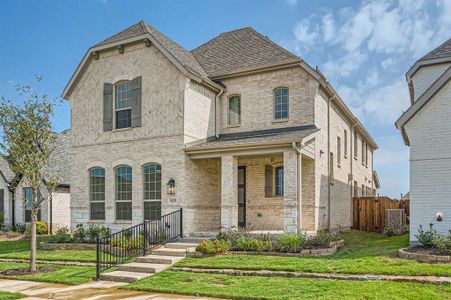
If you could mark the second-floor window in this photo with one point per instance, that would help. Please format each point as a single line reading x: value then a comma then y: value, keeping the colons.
x: 338, y: 151
x: 346, y: 143
x: 281, y: 103
x: 234, y: 117
x: 123, y: 105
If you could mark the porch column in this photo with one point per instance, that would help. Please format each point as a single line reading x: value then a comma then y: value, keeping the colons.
x: 290, y: 181
x: 229, y: 192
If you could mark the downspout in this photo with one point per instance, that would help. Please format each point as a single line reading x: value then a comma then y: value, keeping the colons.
x: 351, y: 159
x: 299, y: 185
x: 216, y: 112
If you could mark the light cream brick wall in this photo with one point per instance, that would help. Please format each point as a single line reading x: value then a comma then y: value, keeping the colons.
x: 290, y: 203
x: 257, y: 99
x: 199, y: 112
x: 261, y: 213
x: 308, y: 194
x: 229, y: 192
x: 61, y: 208
x: 425, y: 77
x: 429, y: 134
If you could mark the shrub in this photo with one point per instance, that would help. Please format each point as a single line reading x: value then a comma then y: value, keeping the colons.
x: 389, y: 229
x: 41, y: 228
x: 80, y: 234
x: 426, y: 237
x: 244, y: 244
x: 289, y: 242
x: 321, y: 240
x: 231, y: 235
x: 2, y: 220
x: 253, y: 244
x: 93, y: 232
x: 104, y: 232
x: 128, y: 243
x: 62, y: 235
x: 442, y: 244
x: 214, y: 247
x: 20, y: 228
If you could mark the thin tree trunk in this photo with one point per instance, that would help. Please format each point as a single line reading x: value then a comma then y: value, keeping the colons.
x: 33, y: 232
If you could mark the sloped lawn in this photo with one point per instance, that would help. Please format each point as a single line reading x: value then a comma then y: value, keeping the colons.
x: 363, y: 253
x: 258, y: 287
x: 10, y: 296
x: 62, y: 274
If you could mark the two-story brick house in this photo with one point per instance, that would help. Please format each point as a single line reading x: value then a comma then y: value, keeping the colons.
x: 238, y: 132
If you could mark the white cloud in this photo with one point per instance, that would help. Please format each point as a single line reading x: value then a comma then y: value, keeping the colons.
x: 292, y: 2
x: 305, y: 35
x: 387, y: 63
x: 328, y: 27
x: 345, y: 65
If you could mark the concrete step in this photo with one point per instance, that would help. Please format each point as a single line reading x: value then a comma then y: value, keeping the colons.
x: 137, y: 267
x: 159, y: 259
x: 181, y: 245
x: 123, y: 276
x: 169, y: 252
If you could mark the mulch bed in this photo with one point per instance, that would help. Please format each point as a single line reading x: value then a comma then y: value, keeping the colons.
x: 421, y: 250
x: 26, y: 271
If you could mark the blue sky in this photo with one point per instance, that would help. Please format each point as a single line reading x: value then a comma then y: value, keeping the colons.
x: 363, y: 47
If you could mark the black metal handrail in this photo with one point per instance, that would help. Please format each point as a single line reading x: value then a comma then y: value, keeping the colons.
x: 137, y: 240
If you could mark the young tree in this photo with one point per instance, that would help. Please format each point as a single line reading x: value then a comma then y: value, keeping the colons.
x: 28, y: 142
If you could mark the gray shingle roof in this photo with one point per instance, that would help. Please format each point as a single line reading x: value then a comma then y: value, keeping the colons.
x: 60, y: 159
x: 295, y: 133
x: 442, y: 51
x: 182, y: 55
x: 240, y: 49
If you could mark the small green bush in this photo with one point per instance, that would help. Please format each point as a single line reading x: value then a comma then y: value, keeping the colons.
x: 2, y: 220
x: 321, y: 240
x: 426, y: 238
x: 253, y: 244
x: 93, y: 232
x: 442, y: 244
x: 80, y: 234
x: 41, y: 228
x: 104, y: 232
x: 214, y: 247
x: 289, y: 242
x: 128, y: 243
x: 62, y: 235
x: 21, y: 228
x: 231, y: 235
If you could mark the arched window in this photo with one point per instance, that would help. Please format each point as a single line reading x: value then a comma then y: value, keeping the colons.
x: 97, y: 193
x: 123, y: 105
x: 152, y: 191
x: 234, y: 117
x: 281, y: 103
x: 123, y: 182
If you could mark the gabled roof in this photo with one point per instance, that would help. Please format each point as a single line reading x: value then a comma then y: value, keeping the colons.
x: 182, y: 58
x: 238, y: 50
x: 441, y: 54
x: 421, y: 102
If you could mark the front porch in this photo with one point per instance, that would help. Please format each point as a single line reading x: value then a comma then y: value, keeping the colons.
x: 264, y: 188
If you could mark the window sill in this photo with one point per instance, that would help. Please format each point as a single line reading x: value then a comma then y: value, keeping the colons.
x: 280, y: 120
x: 122, y: 129
x: 96, y: 221
x: 233, y: 126
x: 122, y: 222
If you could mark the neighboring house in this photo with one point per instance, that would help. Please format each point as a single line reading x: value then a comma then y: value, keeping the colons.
x: 426, y: 128
x: 16, y: 195
x: 250, y: 135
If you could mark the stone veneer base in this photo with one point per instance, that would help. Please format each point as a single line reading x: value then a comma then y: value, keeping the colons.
x: 428, y: 258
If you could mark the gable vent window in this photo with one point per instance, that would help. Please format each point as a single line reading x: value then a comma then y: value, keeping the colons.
x: 123, y: 105
x: 281, y: 103
x: 234, y: 110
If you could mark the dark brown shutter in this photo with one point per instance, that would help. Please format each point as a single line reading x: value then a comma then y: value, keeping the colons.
x: 136, y: 102
x: 268, y: 181
x: 2, y: 201
x: 107, y: 107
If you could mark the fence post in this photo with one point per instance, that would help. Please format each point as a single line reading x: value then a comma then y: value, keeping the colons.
x: 97, y: 259
x: 145, y: 238
x: 181, y: 222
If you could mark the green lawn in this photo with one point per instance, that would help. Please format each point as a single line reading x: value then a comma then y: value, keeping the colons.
x: 21, y: 249
x: 258, y: 287
x: 62, y: 274
x: 363, y: 253
x: 10, y: 296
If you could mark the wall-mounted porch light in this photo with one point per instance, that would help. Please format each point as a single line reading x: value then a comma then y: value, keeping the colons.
x: 439, y: 216
x: 171, y: 186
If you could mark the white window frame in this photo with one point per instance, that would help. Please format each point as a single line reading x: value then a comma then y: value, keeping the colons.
x: 275, y: 104
x: 228, y: 110
x: 144, y: 187
x: 116, y: 85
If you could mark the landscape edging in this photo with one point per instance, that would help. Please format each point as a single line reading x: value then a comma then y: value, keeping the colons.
x: 428, y: 258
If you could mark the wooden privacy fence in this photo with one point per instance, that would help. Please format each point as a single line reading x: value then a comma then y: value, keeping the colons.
x: 369, y: 213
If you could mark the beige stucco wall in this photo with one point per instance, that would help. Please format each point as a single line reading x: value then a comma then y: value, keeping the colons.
x: 257, y: 99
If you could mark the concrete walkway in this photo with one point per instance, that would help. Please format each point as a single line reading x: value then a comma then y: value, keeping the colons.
x: 101, y: 290
x: 358, y: 277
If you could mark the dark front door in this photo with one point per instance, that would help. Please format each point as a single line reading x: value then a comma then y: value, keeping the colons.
x: 242, y: 196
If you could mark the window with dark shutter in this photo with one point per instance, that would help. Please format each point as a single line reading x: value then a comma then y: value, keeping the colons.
x: 107, y: 107
x: 136, y: 102
x: 268, y: 181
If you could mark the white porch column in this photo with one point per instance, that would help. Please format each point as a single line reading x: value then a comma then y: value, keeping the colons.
x: 290, y: 180
x: 229, y: 192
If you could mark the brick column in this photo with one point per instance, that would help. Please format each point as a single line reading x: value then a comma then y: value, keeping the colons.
x: 229, y: 192
x: 290, y: 179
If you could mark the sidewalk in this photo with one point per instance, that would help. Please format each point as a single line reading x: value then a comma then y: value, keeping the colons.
x: 101, y: 290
